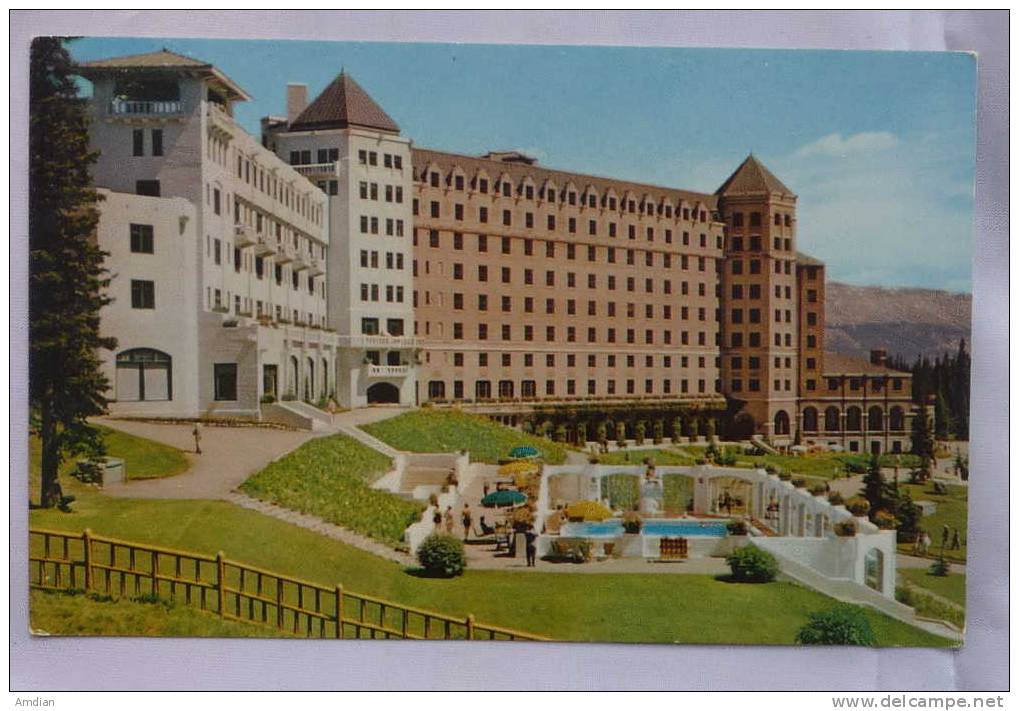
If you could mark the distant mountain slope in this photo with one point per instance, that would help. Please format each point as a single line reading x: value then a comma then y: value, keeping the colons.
x: 905, y: 322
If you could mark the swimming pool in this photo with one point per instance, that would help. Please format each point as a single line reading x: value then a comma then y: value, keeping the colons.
x: 653, y: 528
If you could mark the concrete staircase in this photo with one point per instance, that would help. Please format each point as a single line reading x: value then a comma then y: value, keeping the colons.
x: 298, y: 414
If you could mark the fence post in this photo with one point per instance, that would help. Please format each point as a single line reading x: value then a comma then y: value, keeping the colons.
x: 221, y: 582
x: 339, y: 612
x: 86, y: 538
x: 279, y: 603
x: 470, y: 626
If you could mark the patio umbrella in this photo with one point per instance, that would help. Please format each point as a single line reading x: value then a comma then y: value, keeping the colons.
x: 523, y: 452
x: 505, y: 497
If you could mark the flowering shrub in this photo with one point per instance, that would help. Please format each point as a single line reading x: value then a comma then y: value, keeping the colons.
x: 750, y: 564
x: 588, y: 511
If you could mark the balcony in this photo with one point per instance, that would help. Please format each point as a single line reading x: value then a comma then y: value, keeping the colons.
x: 264, y: 246
x: 120, y: 107
x: 300, y: 262
x: 284, y: 253
x: 315, y: 266
x: 380, y: 341
x: 388, y: 371
x: 244, y: 236
x: 319, y: 170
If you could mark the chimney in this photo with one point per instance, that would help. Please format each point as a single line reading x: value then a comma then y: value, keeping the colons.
x: 878, y: 356
x: 297, y: 100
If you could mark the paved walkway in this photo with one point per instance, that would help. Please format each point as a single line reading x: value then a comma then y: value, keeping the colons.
x: 229, y: 456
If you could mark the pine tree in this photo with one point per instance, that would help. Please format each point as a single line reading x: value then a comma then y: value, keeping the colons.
x: 66, y: 274
x: 875, y: 489
x: 942, y: 416
x: 923, y: 442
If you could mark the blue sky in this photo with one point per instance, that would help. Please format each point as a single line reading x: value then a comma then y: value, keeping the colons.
x: 879, y: 146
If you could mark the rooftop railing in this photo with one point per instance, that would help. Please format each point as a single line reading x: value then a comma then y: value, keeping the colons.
x: 145, y: 108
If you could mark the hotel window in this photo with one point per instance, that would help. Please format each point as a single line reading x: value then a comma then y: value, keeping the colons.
x: 754, y: 339
x: 433, y: 179
x: 592, y: 227
x: 224, y: 376
x: 507, y: 360
x: 482, y: 272
x: 528, y: 276
x: 528, y: 247
x: 528, y: 305
x: 612, y: 229
x: 458, y: 301
x: 550, y: 250
x: 458, y: 182
x: 147, y: 187
x: 138, y: 136
x: 141, y: 239
x: 435, y: 209
x: 549, y: 333
x: 550, y: 306
x: 507, y: 303
x: 528, y: 333
x: 483, y: 185
x: 143, y: 294
x: 506, y: 275
x: 157, y: 142
x: 362, y: 157
x: 458, y: 240
x: 549, y: 278
x: 811, y: 318
x: 458, y: 271
x: 482, y: 331
x: 529, y: 220
x: 458, y: 211
x: 755, y: 266
x: 571, y: 225
x: 551, y: 222
x: 482, y: 302
x: 482, y: 243
x: 811, y: 341
x: 631, y: 232
x: 483, y: 214
x: 507, y: 218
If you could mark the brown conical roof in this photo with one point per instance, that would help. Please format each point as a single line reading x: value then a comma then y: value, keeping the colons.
x: 344, y: 104
x: 752, y: 178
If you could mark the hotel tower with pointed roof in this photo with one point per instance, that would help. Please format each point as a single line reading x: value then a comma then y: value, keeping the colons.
x: 336, y: 259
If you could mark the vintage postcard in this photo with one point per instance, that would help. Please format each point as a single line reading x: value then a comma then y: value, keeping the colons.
x: 427, y: 341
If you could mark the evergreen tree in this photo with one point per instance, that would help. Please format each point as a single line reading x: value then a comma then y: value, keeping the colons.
x: 876, y: 490
x: 942, y: 416
x: 923, y: 444
x: 66, y: 274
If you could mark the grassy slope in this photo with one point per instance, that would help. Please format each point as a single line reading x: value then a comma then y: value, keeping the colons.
x: 952, y: 587
x: 622, y: 607
x: 64, y: 614
x: 143, y: 458
x: 660, y: 457
x: 330, y: 478
x: 952, y: 511
x: 435, y: 430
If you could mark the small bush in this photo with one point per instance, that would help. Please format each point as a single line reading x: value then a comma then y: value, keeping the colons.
x: 750, y: 564
x: 835, y: 498
x: 940, y: 568
x: 785, y: 476
x: 885, y: 520
x: 442, y: 555
x: 818, y: 490
x: 588, y: 511
x: 843, y: 624
x: 845, y: 528
x: 737, y: 528
x: 800, y: 483
x: 632, y: 522
x: 858, y: 506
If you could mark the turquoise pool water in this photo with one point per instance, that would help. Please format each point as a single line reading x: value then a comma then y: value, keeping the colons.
x: 654, y: 527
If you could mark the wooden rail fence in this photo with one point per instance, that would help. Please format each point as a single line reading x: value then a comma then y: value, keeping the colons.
x: 233, y: 590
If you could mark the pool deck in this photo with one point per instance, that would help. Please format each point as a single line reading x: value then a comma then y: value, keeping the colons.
x: 481, y: 555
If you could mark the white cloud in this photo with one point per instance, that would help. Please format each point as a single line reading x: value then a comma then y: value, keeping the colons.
x: 858, y: 143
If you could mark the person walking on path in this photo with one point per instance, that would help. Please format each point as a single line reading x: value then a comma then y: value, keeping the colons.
x: 197, y: 434
x: 532, y: 550
x: 447, y: 519
x: 956, y: 540
x: 466, y: 520
x: 926, y: 543
x: 437, y: 520
x: 944, y: 536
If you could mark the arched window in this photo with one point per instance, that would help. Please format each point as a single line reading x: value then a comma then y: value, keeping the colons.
x: 292, y: 378
x: 325, y: 378
x: 781, y: 422
x: 831, y: 419
x: 896, y: 419
x: 436, y: 390
x: 875, y: 419
x: 810, y: 419
x: 309, y: 380
x: 483, y: 390
x: 854, y: 419
x: 144, y: 374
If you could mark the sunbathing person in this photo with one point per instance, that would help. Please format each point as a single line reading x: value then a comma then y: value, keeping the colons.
x: 486, y: 530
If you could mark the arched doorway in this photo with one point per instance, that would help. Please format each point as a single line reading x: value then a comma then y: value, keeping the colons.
x: 383, y: 393
x: 874, y: 569
x: 292, y: 377
x: 144, y: 374
x: 810, y: 419
x: 781, y: 422
x: 831, y: 419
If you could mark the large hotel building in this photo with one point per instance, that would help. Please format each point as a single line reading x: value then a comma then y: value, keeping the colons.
x: 331, y: 258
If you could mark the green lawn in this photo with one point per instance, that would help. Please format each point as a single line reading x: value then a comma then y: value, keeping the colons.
x: 435, y: 430
x: 330, y: 477
x: 581, y: 606
x: 952, y: 511
x: 952, y: 587
x: 659, y: 457
x: 57, y: 613
x: 143, y: 458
